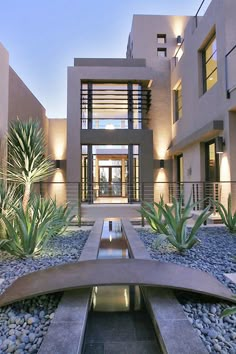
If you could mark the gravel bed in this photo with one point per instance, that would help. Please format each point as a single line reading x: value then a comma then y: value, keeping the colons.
x: 24, y: 324
x: 213, y: 254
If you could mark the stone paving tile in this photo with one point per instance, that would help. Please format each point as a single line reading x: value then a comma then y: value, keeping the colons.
x: 94, y: 348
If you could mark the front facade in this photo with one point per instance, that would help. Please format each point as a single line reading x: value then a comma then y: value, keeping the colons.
x: 160, y: 122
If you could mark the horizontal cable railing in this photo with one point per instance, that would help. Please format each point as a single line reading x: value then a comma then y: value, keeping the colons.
x: 76, y: 194
x: 230, y: 71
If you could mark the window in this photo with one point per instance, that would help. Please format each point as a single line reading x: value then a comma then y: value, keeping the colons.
x: 161, y: 38
x: 161, y: 52
x: 209, y: 60
x: 178, y: 102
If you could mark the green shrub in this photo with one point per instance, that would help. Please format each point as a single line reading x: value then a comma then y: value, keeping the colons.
x: 174, y: 227
x: 30, y: 230
x: 227, y: 216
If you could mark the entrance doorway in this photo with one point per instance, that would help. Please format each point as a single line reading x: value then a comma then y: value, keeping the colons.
x: 110, y: 181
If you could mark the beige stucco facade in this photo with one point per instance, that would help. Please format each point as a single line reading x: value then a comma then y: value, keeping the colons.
x: 4, y: 84
x: 162, y: 52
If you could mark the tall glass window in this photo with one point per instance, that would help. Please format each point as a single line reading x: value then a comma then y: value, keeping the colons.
x: 209, y: 59
x: 178, y: 111
x: 110, y: 172
x: 113, y: 106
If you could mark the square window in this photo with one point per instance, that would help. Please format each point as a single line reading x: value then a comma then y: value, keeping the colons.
x: 161, y: 38
x: 161, y: 52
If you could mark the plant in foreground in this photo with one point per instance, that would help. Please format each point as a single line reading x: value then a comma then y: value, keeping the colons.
x: 28, y: 232
x: 229, y: 311
x: 174, y: 227
x: 227, y: 216
x: 27, y: 163
x: 153, y: 214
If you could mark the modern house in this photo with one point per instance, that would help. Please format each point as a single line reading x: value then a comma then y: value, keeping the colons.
x: 161, y: 121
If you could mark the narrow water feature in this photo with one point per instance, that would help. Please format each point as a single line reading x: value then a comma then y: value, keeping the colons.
x: 118, y: 321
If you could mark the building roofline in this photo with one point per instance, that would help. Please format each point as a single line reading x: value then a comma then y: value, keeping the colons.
x: 112, y: 62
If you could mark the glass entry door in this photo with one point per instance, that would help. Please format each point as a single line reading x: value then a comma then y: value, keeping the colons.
x: 110, y: 184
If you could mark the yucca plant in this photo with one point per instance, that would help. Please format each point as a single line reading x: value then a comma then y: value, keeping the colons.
x: 228, y: 217
x: 30, y: 230
x: 174, y: 228
x: 26, y: 162
x: 8, y: 198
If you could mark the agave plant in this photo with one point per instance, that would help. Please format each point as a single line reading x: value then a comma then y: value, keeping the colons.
x: 153, y: 214
x: 174, y: 228
x: 229, y: 311
x: 30, y: 230
x: 27, y: 163
x: 227, y: 216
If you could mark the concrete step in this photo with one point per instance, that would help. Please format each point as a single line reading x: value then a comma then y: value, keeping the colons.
x: 94, y: 211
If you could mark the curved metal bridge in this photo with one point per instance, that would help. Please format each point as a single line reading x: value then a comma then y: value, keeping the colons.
x: 91, y: 273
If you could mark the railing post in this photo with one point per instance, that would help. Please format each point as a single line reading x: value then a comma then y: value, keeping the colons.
x: 79, y: 204
x: 142, y: 196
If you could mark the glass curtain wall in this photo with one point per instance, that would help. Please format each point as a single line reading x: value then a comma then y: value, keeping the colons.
x: 110, y: 173
x: 113, y: 106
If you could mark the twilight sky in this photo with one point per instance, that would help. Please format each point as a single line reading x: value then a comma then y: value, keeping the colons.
x: 44, y: 36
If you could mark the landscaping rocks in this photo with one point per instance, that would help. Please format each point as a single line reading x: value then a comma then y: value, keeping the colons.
x: 23, y: 325
x: 214, y: 254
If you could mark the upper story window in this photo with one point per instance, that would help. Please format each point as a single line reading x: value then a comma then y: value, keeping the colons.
x: 209, y: 60
x: 113, y: 105
x: 178, y: 103
x: 161, y: 38
x: 161, y: 52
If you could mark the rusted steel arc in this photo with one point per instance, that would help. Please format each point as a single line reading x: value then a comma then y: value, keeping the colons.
x: 114, y: 272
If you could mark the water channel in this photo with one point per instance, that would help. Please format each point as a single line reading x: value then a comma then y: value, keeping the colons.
x: 118, y: 321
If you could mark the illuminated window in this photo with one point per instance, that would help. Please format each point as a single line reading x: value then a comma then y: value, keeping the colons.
x: 209, y: 59
x: 161, y: 38
x: 161, y: 52
x: 178, y: 102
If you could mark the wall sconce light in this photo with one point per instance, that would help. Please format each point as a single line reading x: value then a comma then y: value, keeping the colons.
x: 219, y: 141
x: 179, y: 40
x: 58, y: 164
x: 162, y: 163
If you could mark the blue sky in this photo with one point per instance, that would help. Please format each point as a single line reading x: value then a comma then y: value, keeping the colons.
x: 44, y: 36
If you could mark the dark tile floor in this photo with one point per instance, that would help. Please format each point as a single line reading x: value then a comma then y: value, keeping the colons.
x: 120, y: 333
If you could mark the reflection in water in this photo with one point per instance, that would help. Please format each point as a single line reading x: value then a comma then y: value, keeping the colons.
x: 112, y: 245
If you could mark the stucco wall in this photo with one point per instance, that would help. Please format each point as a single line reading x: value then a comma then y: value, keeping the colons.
x: 4, y: 75
x: 108, y: 73
x: 22, y: 103
x: 200, y: 109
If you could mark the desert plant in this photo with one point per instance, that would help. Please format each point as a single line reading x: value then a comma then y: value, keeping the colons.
x: 28, y: 232
x: 8, y: 198
x: 229, y: 311
x: 153, y: 214
x: 26, y: 162
x: 174, y: 229
x: 226, y: 214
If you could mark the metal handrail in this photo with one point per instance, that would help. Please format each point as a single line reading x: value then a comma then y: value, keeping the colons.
x: 228, y: 90
x: 199, y: 9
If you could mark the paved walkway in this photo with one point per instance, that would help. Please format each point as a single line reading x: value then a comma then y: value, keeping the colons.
x: 114, y: 272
